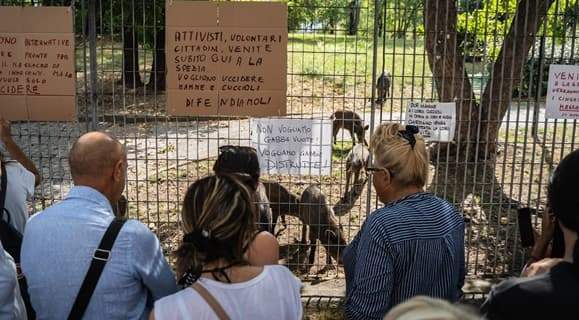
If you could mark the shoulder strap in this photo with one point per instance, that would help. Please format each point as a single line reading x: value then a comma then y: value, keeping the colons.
x: 99, y: 260
x: 211, y: 301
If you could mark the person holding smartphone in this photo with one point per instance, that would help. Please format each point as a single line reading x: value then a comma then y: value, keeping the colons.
x: 548, y: 247
x: 552, y: 294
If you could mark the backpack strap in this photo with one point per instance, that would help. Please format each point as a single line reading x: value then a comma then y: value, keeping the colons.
x: 211, y: 301
x: 99, y: 259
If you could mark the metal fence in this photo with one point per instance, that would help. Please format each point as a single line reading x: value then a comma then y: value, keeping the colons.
x: 336, y: 51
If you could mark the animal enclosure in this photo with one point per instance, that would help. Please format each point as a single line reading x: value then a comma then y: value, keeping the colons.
x: 365, y: 57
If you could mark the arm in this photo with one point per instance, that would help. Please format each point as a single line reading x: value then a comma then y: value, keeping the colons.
x: 547, y: 230
x: 369, y: 296
x: 14, y: 150
x: 150, y: 264
x: 264, y: 250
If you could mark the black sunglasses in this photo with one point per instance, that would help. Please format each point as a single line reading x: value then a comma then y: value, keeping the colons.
x: 376, y: 169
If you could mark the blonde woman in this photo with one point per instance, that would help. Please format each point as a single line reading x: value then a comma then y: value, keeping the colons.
x: 425, y: 308
x: 219, y: 224
x: 414, y: 245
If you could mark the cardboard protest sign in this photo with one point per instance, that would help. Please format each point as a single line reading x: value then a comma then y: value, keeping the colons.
x: 37, y: 76
x: 563, y: 92
x: 437, y: 121
x: 293, y: 146
x: 226, y: 58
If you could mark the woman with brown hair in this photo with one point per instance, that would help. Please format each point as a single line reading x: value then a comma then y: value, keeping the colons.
x: 414, y: 245
x: 219, y: 224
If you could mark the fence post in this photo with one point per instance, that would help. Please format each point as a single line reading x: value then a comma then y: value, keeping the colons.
x: 538, y: 87
x: 93, y: 64
x: 377, y: 17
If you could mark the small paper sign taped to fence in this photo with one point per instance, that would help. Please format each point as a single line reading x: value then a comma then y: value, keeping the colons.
x: 563, y: 92
x: 37, y: 76
x: 293, y: 146
x: 226, y: 58
x: 436, y: 120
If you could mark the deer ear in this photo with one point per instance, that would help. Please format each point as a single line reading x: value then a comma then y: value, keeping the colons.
x: 366, y: 127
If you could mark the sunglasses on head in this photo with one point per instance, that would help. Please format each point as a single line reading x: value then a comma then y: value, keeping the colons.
x: 235, y: 149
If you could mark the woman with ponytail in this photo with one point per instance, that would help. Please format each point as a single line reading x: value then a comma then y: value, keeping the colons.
x: 414, y: 244
x: 554, y: 293
x: 218, y: 219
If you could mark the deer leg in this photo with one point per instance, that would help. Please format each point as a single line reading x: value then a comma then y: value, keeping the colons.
x: 304, y: 239
x: 313, y: 243
x: 348, y: 176
x: 353, y: 135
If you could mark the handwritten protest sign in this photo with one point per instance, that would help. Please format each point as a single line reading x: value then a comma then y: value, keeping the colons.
x: 226, y: 58
x: 37, y: 77
x: 437, y: 121
x: 563, y: 92
x: 293, y: 146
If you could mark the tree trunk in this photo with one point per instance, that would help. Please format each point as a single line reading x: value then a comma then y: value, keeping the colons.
x: 478, y: 124
x: 158, y: 74
x: 354, y: 21
x: 450, y: 77
x: 506, y: 73
x: 131, y: 76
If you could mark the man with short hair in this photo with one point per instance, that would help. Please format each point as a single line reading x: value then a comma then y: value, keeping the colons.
x: 60, y: 242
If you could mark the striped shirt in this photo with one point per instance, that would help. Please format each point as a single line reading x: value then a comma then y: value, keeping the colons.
x: 414, y: 246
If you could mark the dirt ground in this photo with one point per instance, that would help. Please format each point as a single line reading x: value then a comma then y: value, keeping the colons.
x: 158, y: 178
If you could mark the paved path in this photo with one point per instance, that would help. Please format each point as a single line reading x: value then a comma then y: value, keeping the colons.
x: 167, y: 143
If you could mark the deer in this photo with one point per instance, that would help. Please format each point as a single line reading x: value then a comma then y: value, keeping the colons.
x: 383, y: 87
x: 318, y: 216
x: 351, y: 121
x: 282, y: 202
x: 356, y: 161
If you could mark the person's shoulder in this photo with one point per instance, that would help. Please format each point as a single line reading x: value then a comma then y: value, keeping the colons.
x: 41, y: 217
x: 519, y: 289
x: 281, y: 272
x: 14, y: 167
x: 172, y: 298
x: 137, y: 230
x: 165, y: 308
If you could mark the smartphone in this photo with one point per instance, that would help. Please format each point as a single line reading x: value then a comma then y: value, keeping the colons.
x: 526, y: 227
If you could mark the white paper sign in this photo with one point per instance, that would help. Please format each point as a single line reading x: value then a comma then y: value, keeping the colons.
x: 436, y: 120
x: 293, y: 146
x: 563, y: 92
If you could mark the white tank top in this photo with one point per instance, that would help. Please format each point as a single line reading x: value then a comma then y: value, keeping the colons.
x: 273, y: 294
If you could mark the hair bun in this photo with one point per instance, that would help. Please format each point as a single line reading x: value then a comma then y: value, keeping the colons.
x: 412, y: 129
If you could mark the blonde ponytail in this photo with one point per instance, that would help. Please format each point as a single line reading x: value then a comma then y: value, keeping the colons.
x: 407, y: 160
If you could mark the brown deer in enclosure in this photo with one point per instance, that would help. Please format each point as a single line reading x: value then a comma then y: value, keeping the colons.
x: 318, y: 216
x: 282, y: 202
x: 356, y: 161
x: 351, y: 121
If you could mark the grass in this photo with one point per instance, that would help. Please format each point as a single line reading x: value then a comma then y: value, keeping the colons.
x: 337, y: 65
x: 345, y: 62
x: 321, y: 66
x: 340, y: 150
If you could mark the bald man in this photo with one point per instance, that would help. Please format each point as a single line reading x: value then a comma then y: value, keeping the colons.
x: 59, y: 243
